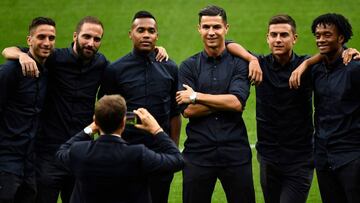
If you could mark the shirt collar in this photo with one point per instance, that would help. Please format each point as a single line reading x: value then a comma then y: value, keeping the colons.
x: 147, y: 56
x: 212, y: 59
x: 278, y: 66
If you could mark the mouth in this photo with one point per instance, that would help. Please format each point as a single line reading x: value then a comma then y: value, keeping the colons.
x: 145, y: 43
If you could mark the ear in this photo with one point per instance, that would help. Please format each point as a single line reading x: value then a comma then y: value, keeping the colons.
x: 199, y: 28
x: 75, y: 35
x: 267, y: 38
x: 227, y: 28
x: 295, y: 38
x: 341, y: 39
x: 28, y: 40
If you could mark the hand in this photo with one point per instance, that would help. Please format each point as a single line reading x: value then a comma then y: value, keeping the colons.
x: 28, y: 65
x: 161, y: 54
x: 255, y: 72
x: 183, y: 96
x: 148, y: 122
x: 94, y: 128
x: 295, y: 78
x: 349, y: 54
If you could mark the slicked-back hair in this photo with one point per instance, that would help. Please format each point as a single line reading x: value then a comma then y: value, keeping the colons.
x: 109, y: 113
x: 88, y: 19
x: 143, y: 14
x: 339, y: 21
x: 40, y: 21
x: 213, y: 10
x: 283, y: 19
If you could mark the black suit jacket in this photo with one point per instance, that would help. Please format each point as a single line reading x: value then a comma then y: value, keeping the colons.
x: 109, y: 170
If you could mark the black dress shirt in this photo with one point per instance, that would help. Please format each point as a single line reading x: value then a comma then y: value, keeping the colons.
x: 144, y: 82
x: 337, y: 113
x: 69, y: 105
x: 21, y: 100
x: 218, y: 139
x: 284, y: 115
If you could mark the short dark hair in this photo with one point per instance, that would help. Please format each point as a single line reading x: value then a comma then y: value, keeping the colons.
x: 88, y: 19
x: 143, y: 14
x: 109, y: 113
x: 213, y: 10
x: 283, y: 19
x: 339, y: 21
x: 40, y: 21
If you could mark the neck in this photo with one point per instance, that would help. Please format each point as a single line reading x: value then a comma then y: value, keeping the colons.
x: 215, y: 51
x: 332, y: 56
x: 117, y: 132
x: 283, y: 59
x: 38, y: 59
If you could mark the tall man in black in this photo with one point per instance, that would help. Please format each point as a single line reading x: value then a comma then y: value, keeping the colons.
x: 337, y: 113
x: 214, y: 92
x: 144, y: 82
x: 110, y: 170
x: 21, y: 100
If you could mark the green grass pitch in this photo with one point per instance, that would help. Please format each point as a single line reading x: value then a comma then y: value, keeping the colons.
x: 177, y: 21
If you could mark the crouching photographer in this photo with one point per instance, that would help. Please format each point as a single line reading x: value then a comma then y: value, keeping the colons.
x: 108, y: 169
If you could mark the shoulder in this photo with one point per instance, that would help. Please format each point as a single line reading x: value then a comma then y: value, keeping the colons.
x: 10, y: 66
x: 122, y: 61
x: 191, y: 61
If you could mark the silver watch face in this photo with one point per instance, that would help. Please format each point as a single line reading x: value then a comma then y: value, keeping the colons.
x: 88, y: 130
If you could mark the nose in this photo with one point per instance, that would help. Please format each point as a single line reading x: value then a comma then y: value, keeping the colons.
x: 146, y: 34
x: 91, y: 42
x: 278, y: 38
x: 211, y: 31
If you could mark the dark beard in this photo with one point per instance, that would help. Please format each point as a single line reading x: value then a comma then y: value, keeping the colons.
x: 80, y: 52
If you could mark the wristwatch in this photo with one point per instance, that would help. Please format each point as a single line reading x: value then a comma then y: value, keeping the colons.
x: 88, y: 131
x: 192, y: 97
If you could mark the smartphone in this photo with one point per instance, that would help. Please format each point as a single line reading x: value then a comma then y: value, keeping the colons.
x: 131, y: 118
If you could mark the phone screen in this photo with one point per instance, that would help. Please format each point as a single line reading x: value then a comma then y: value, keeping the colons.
x: 131, y: 118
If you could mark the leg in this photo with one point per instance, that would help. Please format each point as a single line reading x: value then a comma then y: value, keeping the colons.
x: 330, y: 188
x: 296, y: 183
x: 50, y: 180
x: 238, y: 183
x: 270, y: 180
x: 160, y: 187
x: 349, y: 176
x: 27, y: 191
x: 9, y: 184
x: 198, y: 183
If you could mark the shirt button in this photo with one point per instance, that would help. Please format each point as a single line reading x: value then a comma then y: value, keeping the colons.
x: 214, y: 78
x: 216, y: 118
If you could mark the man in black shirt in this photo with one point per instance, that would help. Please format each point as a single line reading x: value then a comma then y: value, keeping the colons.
x: 337, y: 113
x: 145, y: 82
x: 214, y: 92
x: 21, y: 101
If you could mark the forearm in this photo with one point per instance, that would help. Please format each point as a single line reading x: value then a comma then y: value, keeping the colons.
x: 227, y: 102
x: 12, y: 53
x: 317, y: 58
x: 175, y: 127
x: 238, y: 50
x: 196, y: 110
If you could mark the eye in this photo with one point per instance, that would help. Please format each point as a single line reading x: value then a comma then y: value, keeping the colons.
x: 140, y: 30
x: 152, y: 31
x: 86, y: 36
x: 41, y: 37
x: 205, y: 27
x: 51, y: 38
x: 97, y: 39
x: 273, y: 34
x: 217, y: 27
x: 284, y: 34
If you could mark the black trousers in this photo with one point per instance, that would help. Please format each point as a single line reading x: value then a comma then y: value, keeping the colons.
x: 160, y: 187
x: 285, y: 183
x: 199, y: 183
x: 15, y: 189
x: 341, y: 185
x: 52, y: 178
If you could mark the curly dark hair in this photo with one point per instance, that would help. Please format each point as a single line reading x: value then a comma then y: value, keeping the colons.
x: 339, y: 21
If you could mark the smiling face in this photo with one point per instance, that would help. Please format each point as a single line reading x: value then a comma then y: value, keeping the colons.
x: 328, y: 39
x: 88, y: 40
x: 144, y: 34
x: 281, y: 39
x: 213, y: 31
x: 41, y: 42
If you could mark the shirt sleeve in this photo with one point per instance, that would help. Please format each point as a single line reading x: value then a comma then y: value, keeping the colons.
x: 175, y: 109
x: 9, y: 76
x: 240, y: 84
x: 108, y: 82
x: 186, y: 76
x: 169, y: 158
